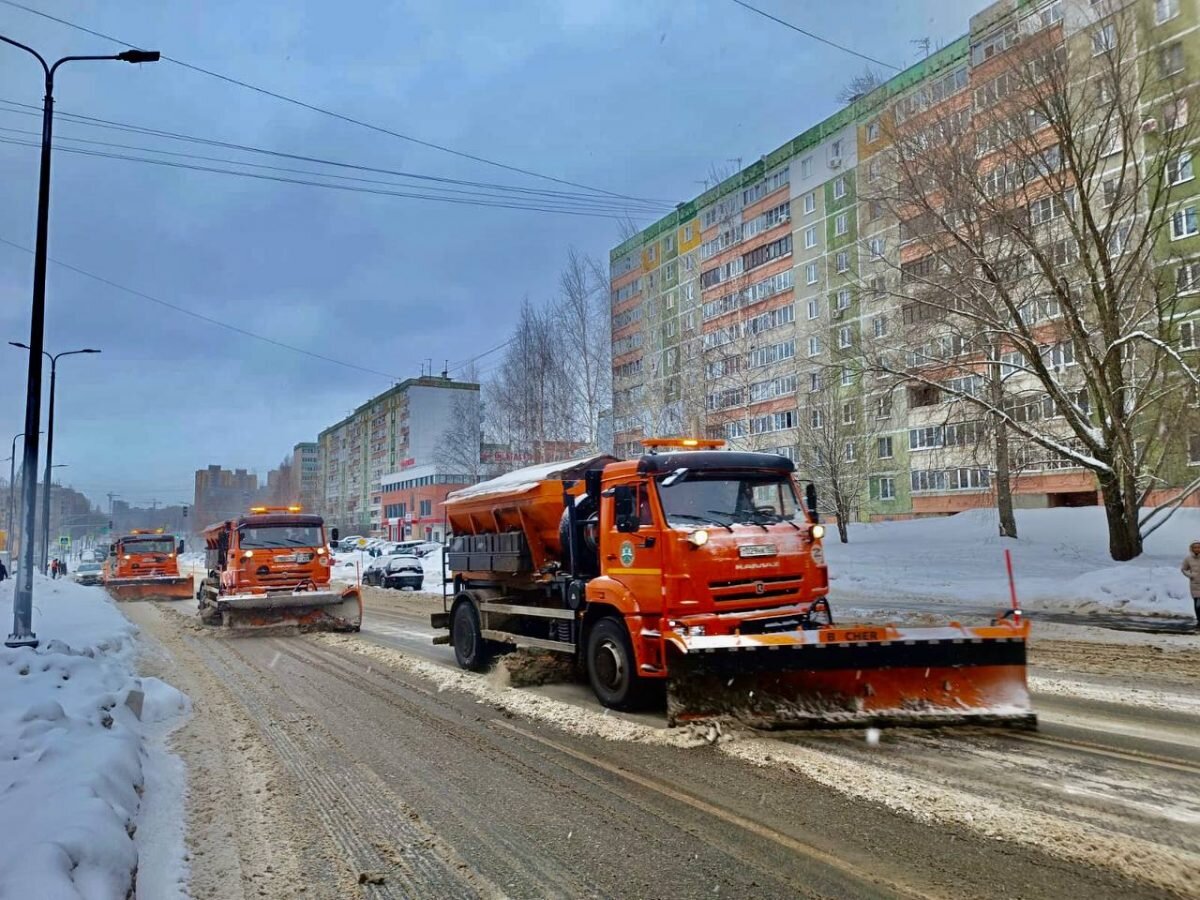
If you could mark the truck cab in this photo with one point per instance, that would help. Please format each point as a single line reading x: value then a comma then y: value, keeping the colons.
x: 268, y: 549
x: 145, y: 565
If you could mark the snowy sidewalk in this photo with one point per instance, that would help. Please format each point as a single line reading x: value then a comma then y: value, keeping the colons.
x: 75, y: 757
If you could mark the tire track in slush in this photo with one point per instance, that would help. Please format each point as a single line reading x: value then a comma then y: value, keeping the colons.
x: 333, y: 798
x: 559, y: 876
x: 865, y: 879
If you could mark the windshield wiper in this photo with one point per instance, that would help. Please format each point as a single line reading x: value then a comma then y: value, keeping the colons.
x: 720, y: 512
x: 701, y: 519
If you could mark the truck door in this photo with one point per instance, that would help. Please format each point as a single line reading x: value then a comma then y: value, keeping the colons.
x: 632, y: 552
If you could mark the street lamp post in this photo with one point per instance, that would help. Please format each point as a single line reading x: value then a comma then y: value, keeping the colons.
x: 49, y: 447
x: 12, y: 488
x: 22, y: 633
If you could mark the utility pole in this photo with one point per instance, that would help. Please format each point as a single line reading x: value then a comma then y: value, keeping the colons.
x: 22, y: 634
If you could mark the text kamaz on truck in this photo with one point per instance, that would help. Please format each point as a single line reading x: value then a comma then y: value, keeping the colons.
x: 704, y: 569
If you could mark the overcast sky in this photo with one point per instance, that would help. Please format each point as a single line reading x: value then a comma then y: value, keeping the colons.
x: 639, y: 97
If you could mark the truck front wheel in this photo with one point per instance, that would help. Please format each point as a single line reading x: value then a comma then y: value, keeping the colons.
x: 470, y: 648
x: 611, y: 667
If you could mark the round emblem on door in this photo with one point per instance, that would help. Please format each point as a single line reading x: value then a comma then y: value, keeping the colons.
x: 627, y: 554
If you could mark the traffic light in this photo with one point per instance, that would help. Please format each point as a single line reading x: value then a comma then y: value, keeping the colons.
x: 110, y: 528
x: 185, y: 512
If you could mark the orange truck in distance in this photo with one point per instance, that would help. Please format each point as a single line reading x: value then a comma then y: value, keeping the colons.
x: 271, y: 567
x: 703, y: 569
x: 144, y: 565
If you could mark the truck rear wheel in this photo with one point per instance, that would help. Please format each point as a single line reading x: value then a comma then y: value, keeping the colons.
x: 611, y: 666
x: 471, y: 650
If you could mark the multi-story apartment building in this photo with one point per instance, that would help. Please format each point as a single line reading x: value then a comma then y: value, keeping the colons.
x: 744, y: 311
x: 389, y: 434
x: 306, y: 474
x: 221, y: 494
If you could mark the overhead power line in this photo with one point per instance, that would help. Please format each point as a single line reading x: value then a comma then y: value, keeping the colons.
x: 203, y: 318
x: 30, y: 110
x: 785, y: 24
x: 576, y: 211
x: 320, y: 109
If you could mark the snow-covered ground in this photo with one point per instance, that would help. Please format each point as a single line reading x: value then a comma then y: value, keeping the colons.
x: 75, y: 757
x: 1060, y: 562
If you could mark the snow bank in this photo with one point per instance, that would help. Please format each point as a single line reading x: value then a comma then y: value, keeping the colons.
x: 72, y: 747
x: 1060, y: 561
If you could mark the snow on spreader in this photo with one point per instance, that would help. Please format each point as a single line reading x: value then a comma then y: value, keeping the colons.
x: 144, y: 565
x: 852, y: 676
x: 270, y: 568
x: 702, y: 569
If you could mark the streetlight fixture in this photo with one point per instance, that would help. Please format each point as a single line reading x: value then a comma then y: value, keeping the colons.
x: 22, y: 633
x: 49, y: 447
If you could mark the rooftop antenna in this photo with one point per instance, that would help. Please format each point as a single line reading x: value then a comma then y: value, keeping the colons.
x: 924, y: 43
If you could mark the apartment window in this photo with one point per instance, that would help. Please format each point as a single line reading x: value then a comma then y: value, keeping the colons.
x: 842, y: 261
x: 810, y: 237
x: 839, y: 188
x: 806, y: 167
x: 1179, y: 169
x: 810, y: 202
x: 876, y: 246
x: 873, y: 129
x: 1114, y: 141
x: 1194, y: 448
x: 845, y: 337
x: 1104, y: 39
x: 1183, y: 223
x: 668, y: 243
x: 1165, y: 10
x: 874, y: 170
x: 1110, y: 188
x: 1175, y: 114
x: 1187, y: 335
x: 1170, y: 59
x: 810, y: 273
x: 879, y: 326
x: 930, y: 437
x: 814, y: 308
x: 816, y: 419
x: 1187, y: 278
x: 847, y: 377
x: 842, y: 298
x: 848, y: 413
x: 1060, y: 354
x: 835, y: 149
x: 814, y: 345
x: 687, y: 232
x: 886, y: 488
x: 883, y: 407
x: 878, y: 287
x: 885, y: 448
x: 850, y: 451
x: 1118, y: 238
x: 840, y: 224
x: 814, y: 381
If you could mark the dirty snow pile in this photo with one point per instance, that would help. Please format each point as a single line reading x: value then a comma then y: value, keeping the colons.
x: 73, y: 751
x: 1060, y: 561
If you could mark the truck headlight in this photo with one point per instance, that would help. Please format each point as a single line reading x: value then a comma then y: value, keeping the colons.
x: 698, y: 538
x: 248, y: 554
x: 817, y: 532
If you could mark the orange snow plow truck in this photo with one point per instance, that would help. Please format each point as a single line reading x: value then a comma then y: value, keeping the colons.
x: 144, y: 565
x: 702, y: 568
x: 271, y: 568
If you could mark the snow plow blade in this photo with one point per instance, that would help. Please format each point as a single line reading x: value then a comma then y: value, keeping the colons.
x: 164, y: 587
x: 853, y: 676
x: 322, y: 610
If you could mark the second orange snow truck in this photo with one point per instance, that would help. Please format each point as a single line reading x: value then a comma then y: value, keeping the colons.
x: 704, y: 569
x: 272, y: 567
x: 144, y: 565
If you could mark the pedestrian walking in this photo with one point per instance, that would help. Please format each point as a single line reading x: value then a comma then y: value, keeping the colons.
x: 62, y: 568
x: 54, y: 568
x: 3, y: 570
x: 1191, y: 568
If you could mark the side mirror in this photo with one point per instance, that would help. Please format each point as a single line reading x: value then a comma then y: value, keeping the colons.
x: 179, y: 549
x: 625, y: 509
x: 333, y: 536
x: 112, y: 549
x: 810, y: 500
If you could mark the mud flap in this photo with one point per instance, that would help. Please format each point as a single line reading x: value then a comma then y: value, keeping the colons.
x: 851, y: 677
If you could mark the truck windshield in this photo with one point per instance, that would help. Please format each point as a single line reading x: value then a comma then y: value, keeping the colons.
x: 725, y: 499
x: 162, y: 545
x: 279, y: 536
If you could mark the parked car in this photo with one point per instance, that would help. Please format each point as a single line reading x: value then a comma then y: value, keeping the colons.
x: 87, y: 573
x: 403, y: 572
x: 350, y: 542
x: 375, y: 570
x: 427, y: 548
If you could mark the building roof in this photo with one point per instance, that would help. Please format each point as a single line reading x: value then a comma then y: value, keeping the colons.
x: 431, y: 381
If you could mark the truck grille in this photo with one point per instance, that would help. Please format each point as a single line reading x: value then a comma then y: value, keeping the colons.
x: 769, y: 587
x: 283, y: 576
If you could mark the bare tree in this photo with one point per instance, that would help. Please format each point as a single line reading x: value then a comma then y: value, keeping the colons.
x: 460, y: 448
x: 584, y: 332
x: 1036, y: 219
x: 860, y: 85
x: 838, y: 444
